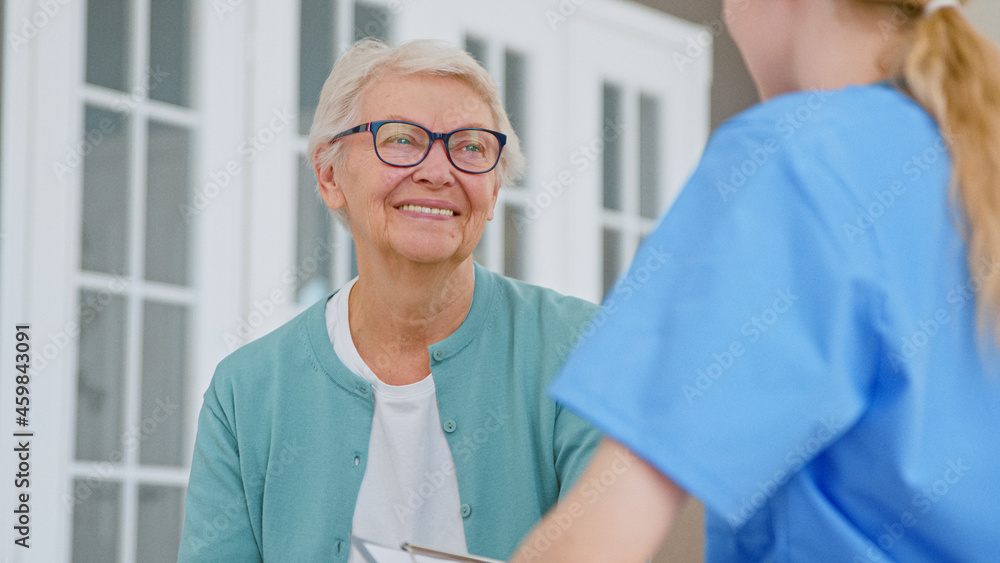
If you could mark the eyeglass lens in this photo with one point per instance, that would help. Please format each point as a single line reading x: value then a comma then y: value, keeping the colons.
x: 405, y: 144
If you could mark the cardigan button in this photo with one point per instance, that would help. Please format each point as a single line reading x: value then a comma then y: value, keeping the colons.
x: 438, y: 355
x: 466, y: 510
x: 450, y: 426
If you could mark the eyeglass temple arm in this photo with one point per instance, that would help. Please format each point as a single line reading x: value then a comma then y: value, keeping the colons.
x: 353, y: 130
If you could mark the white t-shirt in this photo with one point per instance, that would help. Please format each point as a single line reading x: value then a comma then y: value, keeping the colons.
x: 409, y: 492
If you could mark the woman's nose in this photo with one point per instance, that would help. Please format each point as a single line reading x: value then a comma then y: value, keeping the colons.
x: 436, y: 168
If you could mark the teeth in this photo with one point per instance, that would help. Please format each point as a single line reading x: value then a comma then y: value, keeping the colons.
x: 427, y: 210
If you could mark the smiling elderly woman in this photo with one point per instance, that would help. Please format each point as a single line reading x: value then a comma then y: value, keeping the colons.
x: 409, y: 405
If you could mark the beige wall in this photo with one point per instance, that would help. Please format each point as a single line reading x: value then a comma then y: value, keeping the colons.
x: 986, y: 15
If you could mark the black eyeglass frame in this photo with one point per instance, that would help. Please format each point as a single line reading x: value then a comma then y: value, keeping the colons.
x: 374, y: 126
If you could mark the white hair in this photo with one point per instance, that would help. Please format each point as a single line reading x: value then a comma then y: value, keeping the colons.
x: 368, y: 60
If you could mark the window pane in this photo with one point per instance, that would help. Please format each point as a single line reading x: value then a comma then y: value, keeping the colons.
x: 105, y: 192
x: 514, y: 223
x: 316, y: 47
x: 167, y: 193
x: 161, y: 511
x: 371, y: 21
x: 477, y: 48
x: 96, y: 520
x: 515, y: 89
x: 612, y: 257
x: 649, y: 156
x: 169, y: 40
x: 107, y: 43
x: 164, y: 364
x: 610, y: 121
x: 314, y: 248
x: 100, y: 398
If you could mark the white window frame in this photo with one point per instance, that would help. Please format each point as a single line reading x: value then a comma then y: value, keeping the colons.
x: 648, y: 41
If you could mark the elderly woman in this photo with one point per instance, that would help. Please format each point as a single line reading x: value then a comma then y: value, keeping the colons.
x: 409, y: 405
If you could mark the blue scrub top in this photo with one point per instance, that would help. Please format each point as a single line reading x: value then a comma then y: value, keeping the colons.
x: 796, y: 344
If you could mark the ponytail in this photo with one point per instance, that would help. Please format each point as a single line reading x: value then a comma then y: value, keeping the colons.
x: 954, y: 72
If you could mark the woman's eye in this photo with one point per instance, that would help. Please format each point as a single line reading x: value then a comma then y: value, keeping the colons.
x: 473, y: 147
x: 399, y: 140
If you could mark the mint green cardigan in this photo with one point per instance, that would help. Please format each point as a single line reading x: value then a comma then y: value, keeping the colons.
x: 283, y: 433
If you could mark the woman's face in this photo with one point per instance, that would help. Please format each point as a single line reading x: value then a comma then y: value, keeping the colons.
x: 388, y: 206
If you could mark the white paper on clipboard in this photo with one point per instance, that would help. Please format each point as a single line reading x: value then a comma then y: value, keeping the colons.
x: 408, y: 553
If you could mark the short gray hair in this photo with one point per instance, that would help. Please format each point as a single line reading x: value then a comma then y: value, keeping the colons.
x: 369, y: 60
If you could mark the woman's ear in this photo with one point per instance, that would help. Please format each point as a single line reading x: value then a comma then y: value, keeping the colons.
x: 329, y: 190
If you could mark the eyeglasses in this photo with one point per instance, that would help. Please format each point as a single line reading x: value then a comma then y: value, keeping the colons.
x: 404, y: 144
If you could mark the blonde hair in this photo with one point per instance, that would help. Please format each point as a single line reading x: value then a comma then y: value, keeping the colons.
x: 954, y: 73
x: 368, y: 60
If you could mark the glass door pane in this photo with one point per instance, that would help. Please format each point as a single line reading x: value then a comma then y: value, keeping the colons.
x: 106, y: 197
x: 168, y: 168
x: 317, y: 39
x: 371, y: 21
x: 164, y: 357
x: 108, y: 28
x: 101, y: 377
x: 650, y: 156
x: 97, y: 522
x: 161, y: 515
x: 168, y: 78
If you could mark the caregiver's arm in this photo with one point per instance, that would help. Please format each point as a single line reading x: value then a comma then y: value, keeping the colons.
x: 620, y: 510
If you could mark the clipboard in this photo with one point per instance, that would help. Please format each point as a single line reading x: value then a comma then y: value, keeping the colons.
x: 422, y: 554
x: 374, y: 552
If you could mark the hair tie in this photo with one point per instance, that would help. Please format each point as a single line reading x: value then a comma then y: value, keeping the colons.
x: 935, y: 5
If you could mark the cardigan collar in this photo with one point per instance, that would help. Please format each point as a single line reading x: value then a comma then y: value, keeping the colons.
x: 483, y: 298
